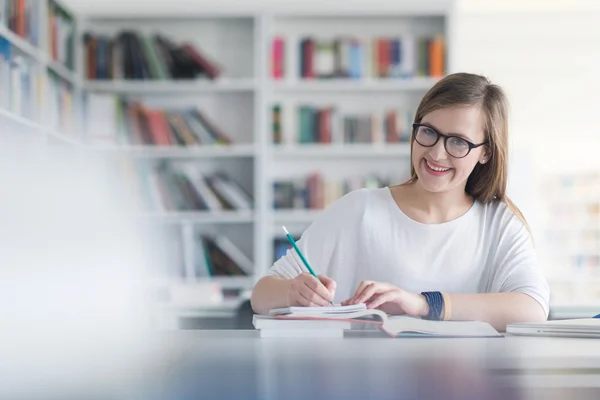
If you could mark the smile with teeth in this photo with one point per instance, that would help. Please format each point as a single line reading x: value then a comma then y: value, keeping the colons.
x: 436, y: 168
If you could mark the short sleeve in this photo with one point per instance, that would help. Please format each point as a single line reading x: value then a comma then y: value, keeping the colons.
x: 323, y: 239
x: 516, y: 264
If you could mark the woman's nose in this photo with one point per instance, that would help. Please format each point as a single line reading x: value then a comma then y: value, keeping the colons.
x: 438, y: 152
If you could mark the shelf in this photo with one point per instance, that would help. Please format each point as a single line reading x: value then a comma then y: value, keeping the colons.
x: 63, y: 72
x: 62, y: 137
x: 171, y: 87
x: 202, y: 217
x: 230, y: 282
x: 22, y: 44
x: 342, y: 150
x: 359, y: 85
x: 294, y: 216
x: 20, y: 120
x: 225, y: 282
x: 224, y: 151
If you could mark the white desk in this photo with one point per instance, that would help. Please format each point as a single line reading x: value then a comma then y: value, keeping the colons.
x: 238, y: 364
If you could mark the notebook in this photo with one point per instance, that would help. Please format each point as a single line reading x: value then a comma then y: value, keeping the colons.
x: 584, y: 327
x: 394, y: 326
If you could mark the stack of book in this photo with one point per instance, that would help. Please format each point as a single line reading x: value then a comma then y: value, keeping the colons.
x: 61, y: 33
x: 132, y: 55
x: 345, y: 57
x: 21, y: 17
x: 315, y: 192
x: 328, y: 125
x: 113, y: 120
x: 184, y: 188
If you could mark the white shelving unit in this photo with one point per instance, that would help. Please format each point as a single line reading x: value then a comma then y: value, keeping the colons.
x: 241, y: 100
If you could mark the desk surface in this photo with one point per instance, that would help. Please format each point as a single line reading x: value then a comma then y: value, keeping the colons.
x: 239, y: 364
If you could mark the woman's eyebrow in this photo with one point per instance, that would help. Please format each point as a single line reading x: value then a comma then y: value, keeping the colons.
x: 460, y: 135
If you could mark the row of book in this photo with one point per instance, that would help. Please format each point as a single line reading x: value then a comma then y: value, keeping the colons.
x: 59, y: 110
x: 329, y: 125
x: 212, y: 255
x: 135, y: 56
x: 315, y: 192
x: 112, y: 119
x: 19, y: 82
x: 22, y: 18
x: 343, y: 57
x: 166, y: 187
x: 61, y: 34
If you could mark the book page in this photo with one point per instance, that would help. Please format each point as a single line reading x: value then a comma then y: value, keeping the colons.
x: 397, y: 324
x: 337, y: 309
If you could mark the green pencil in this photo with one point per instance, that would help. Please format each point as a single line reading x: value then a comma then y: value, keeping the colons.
x: 293, y: 243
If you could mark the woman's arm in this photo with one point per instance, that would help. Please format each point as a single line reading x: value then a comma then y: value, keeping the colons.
x: 270, y: 292
x: 287, y: 282
x: 497, y: 309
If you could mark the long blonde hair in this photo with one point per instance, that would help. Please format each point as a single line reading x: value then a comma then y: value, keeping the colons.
x: 487, y: 182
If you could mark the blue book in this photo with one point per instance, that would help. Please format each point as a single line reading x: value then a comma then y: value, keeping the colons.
x: 395, y: 58
x: 355, y: 56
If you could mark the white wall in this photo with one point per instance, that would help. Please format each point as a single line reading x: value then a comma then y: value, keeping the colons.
x: 546, y: 55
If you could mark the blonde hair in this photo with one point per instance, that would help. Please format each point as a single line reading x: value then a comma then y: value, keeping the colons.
x: 487, y: 182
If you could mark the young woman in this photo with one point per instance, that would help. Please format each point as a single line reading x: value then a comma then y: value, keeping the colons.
x: 447, y: 244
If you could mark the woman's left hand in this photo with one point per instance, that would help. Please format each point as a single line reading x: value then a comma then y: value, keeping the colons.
x: 389, y: 299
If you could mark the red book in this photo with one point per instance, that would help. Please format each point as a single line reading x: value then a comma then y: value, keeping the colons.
x: 309, y: 56
x: 278, y: 57
x: 325, y: 125
x: 391, y: 130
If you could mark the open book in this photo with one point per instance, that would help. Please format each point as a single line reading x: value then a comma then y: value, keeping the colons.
x: 392, y: 325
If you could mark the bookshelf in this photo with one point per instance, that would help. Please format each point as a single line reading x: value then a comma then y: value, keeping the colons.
x: 241, y: 100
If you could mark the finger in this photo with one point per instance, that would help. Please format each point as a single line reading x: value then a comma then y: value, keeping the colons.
x: 329, y: 283
x: 382, y: 298
x: 369, y: 291
x: 361, y: 287
x: 305, y: 301
x: 312, y: 296
x: 316, y: 286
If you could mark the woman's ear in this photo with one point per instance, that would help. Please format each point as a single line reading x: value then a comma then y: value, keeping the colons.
x: 485, y: 157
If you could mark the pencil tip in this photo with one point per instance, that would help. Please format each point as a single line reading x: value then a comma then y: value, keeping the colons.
x: 285, y: 230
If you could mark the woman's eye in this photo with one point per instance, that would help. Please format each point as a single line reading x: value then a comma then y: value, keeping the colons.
x: 458, y: 142
x: 430, y: 132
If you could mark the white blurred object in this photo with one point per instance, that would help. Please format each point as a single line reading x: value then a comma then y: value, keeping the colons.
x: 197, y: 294
x: 71, y: 277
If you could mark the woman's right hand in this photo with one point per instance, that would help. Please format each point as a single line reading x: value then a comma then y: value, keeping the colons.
x: 305, y: 290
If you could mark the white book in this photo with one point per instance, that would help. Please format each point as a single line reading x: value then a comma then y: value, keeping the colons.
x: 583, y: 327
x: 101, y: 117
x: 197, y: 180
x: 394, y: 326
x: 272, y: 322
x: 231, y: 193
x: 408, y: 58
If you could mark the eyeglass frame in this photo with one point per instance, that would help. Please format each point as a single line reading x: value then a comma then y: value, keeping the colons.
x: 446, y: 137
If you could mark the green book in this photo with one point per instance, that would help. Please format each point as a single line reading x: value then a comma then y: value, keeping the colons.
x: 157, y: 69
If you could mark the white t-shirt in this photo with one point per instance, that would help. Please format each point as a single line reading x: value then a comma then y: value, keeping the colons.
x: 365, y: 236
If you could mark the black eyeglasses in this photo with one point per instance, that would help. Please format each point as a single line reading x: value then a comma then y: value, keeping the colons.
x: 456, y: 146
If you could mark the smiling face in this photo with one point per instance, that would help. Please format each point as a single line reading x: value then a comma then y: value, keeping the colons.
x: 437, y: 170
